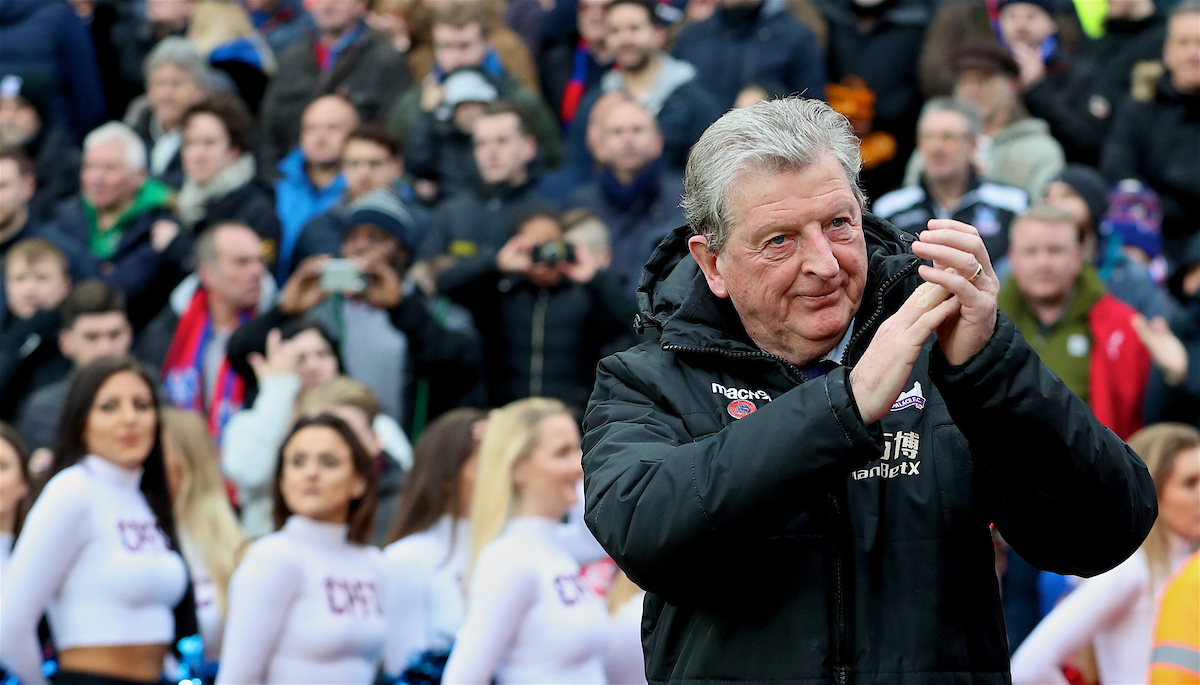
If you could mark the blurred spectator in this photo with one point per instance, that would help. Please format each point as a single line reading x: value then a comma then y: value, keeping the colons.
x: 1080, y: 331
x: 94, y: 325
x: 667, y: 87
x: 188, y: 339
x: 753, y: 42
x: 1134, y: 31
x: 25, y: 123
x: 122, y: 219
x: 579, y: 170
x: 949, y: 187
x: 14, y: 485
x: 1176, y: 655
x: 879, y: 41
x: 1154, y: 139
x: 1017, y: 149
x: 960, y: 22
x: 572, y: 67
x: 389, y: 337
x: 224, y: 35
x: 633, y: 195
x: 99, y: 18
x: 209, y: 536
x: 506, y: 51
x: 546, y: 316
x: 137, y: 34
x: 177, y: 77
x: 428, y: 117
x: 370, y: 160
x: 1115, y: 610
x: 220, y: 183
x: 341, y: 55
x: 47, y: 37
x: 1081, y: 192
x: 35, y: 283
x: 480, y: 221
x: 1176, y: 396
x: 310, y: 179
x: 393, y: 18
x: 280, y: 22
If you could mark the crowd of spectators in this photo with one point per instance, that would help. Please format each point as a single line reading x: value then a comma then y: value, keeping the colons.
x: 415, y: 206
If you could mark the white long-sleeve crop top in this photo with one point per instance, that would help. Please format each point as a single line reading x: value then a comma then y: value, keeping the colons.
x: 305, y: 606
x: 531, y: 618
x: 624, y: 662
x: 424, y: 575
x: 92, y: 556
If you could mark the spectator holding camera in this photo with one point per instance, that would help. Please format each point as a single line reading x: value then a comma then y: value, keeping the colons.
x: 547, y: 308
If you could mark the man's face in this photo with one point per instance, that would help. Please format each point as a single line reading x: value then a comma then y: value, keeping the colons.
x: 630, y: 37
x: 1063, y: 196
x: 631, y: 138
x: 595, y: 125
x: 170, y: 13
x: 459, y: 47
x: 367, y: 166
x: 31, y: 286
x: 1045, y: 258
x: 370, y: 243
x: 1181, y: 52
x: 171, y: 89
x: 94, y: 336
x: 502, y: 152
x: 589, y: 21
x: 795, y: 265
x: 945, y: 143
x: 991, y: 93
x: 106, y: 179
x: 16, y: 189
x: 1024, y: 23
x: 19, y: 122
x: 323, y: 130
x: 206, y: 148
x: 335, y: 16
x: 235, y: 275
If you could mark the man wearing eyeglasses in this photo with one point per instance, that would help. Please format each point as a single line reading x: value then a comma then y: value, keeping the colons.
x: 949, y: 186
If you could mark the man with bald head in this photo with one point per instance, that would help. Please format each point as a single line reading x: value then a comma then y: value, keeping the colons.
x: 635, y: 196
x: 310, y: 180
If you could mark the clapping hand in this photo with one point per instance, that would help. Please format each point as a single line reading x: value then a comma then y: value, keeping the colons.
x: 280, y: 360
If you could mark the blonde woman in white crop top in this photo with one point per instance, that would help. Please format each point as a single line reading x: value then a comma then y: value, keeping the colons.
x: 531, y: 617
x: 97, y: 552
x: 306, y: 604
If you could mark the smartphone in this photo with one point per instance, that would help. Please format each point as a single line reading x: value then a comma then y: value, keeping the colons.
x: 340, y: 276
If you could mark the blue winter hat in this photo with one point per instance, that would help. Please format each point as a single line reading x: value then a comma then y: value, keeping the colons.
x: 1134, y: 216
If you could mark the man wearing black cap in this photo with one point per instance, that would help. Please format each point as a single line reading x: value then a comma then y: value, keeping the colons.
x: 24, y: 123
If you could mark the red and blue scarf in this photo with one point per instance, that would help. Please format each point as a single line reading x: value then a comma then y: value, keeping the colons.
x: 576, y: 84
x: 183, y: 369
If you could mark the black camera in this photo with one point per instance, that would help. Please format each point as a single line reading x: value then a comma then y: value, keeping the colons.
x: 554, y: 253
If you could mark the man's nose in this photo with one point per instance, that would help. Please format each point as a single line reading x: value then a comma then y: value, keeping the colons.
x: 818, y: 256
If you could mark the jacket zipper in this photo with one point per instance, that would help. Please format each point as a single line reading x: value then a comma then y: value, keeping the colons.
x: 537, y: 361
x: 839, y: 601
x: 883, y: 289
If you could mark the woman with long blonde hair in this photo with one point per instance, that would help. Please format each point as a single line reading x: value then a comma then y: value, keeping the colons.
x: 1114, y: 612
x: 209, y: 534
x: 531, y: 617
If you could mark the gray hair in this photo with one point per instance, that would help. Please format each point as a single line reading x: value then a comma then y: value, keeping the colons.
x: 205, y: 252
x: 116, y: 132
x: 959, y: 105
x: 771, y: 136
x: 180, y: 52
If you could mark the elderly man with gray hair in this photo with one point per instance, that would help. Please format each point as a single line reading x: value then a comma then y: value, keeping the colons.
x: 177, y: 77
x: 802, y: 466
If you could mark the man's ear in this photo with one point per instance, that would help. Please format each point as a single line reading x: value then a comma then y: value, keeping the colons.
x: 698, y: 246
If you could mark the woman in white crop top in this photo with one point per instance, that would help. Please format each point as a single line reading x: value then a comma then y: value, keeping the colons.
x: 531, y: 617
x: 306, y: 604
x: 98, y: 551
x: 1114, y: 611
x: 425, y: 563
x: 14, y: 484
x: 209, y: 533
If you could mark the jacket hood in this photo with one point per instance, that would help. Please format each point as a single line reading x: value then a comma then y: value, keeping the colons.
x: 674, y: 297
x: 13, y: 11
x: 182, y: 295
x: 672, y: 74
x: 1029, y: 126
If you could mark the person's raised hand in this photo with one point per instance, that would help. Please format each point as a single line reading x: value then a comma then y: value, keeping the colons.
x: 516, y: 257
x: 583, y: 269
x: 303, y: 290
x: 957, y: 253
x: 1033, y: 67
x: 384, y: 289
x: 1166, y: 350
x: 280, y: 360
x: 883, y: 371
x: 162, y: 233
x: 433, y: 93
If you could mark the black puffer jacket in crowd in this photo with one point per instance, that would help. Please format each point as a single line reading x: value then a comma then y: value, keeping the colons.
x: 796, y: 544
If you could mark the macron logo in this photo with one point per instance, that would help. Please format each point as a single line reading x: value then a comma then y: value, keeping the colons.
x: 912, y: 398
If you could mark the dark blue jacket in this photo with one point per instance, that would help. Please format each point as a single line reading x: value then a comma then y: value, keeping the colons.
x: 47, y: 36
